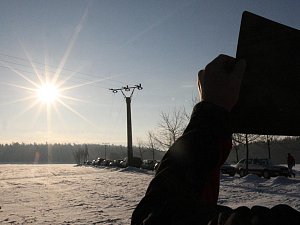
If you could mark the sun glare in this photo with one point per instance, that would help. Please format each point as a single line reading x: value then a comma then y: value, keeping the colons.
x: 47, y: 93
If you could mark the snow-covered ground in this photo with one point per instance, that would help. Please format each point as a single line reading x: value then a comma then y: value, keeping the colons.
x: 65, y: 194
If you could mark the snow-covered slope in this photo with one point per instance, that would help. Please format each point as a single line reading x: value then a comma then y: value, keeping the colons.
x: 64, y: 194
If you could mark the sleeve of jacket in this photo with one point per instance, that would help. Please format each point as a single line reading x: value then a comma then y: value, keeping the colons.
x: 201, y: 149
x: 189, y: 165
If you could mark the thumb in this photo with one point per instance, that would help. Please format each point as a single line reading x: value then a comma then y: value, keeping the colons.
x: 201, y: 76
x: 200, y: 82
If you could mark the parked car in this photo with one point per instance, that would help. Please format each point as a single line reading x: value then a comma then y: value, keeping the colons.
x: 156, y: 166
x: 136, y: 162
x: 105, y: 162
x: 228, y: 169
x: 87, y: 163
x: 97, y: 162
x: 261, y: 167
x: 116, y: 163
x: 148, y: 164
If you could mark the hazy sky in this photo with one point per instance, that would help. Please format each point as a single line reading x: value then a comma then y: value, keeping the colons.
x: 91, y: 46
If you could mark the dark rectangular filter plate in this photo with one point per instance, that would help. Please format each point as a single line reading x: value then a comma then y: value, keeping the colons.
x: 269, y: 100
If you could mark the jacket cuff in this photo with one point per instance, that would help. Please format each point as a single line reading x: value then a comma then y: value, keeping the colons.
x: 212, y: 118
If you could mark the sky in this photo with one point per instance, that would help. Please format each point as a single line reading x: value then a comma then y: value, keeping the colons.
x: 81, y: 49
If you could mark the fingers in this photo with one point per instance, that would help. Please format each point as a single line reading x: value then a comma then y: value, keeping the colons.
x: 201, y: 75
x: 220, y: 82
x: 239, y: 70
x: 235, y: 68
x: 222, y: 61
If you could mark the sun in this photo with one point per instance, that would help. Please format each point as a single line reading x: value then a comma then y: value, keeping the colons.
x: 48, y: 93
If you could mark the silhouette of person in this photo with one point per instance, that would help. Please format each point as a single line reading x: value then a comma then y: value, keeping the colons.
x: 185, y: 188
x: 291, y: 164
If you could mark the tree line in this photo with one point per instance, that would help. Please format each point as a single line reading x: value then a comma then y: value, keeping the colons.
x: 170, y: 127
x: 66, y: 153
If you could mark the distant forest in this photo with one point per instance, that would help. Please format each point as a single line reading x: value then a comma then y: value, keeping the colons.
x: 64, y: 153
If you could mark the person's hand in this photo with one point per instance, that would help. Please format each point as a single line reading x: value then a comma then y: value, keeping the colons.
x: 220, y: 82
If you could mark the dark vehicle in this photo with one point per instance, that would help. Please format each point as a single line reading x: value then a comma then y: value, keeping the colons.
x: 261, y: 167
x: 97, y: 162
x: 136, y: 162
x: 148, y: 164
x: 116, y: 163
x: 105, y: 162
x: 228, y: 169
x: 156, y: 166
x: 87, y: 163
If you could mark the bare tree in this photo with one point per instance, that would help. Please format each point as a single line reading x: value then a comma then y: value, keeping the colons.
x: 81, y: 155
x: 269, y: 139
x: 85, y: 153
x: 170, y: 128
x: 245, y: 139
x: 236, y: 146
x: 78, y: 155
x: 241, y: 138
x: 152, y: 143
x: 140, y: 144
x: 194, y: 101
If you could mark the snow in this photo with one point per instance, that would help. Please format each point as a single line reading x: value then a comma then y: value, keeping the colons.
x: 253, y: 190
x: 65, y: 194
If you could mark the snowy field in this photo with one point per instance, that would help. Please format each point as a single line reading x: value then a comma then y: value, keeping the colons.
x: 65, y: 194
